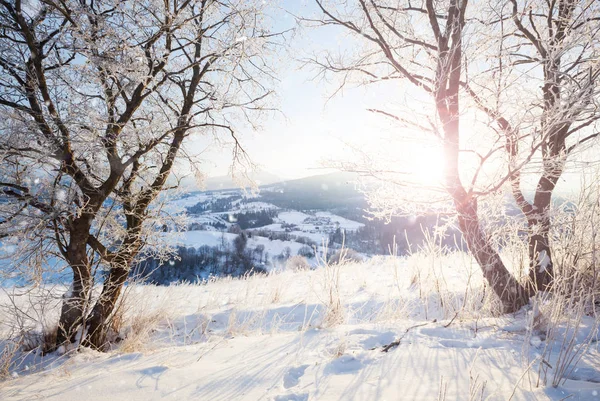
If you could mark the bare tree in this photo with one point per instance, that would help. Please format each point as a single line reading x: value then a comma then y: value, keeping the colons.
x: 224, y: 72
x: 423, y: 43
x: 549, y: 52
x: 98, y: 99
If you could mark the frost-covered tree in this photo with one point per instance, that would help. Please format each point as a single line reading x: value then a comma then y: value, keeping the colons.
x: 423, y: 44
x: 543, y: 98
x: 511, y: 90
x: 97, y: 100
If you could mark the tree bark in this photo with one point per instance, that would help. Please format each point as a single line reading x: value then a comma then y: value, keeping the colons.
x: 541, y: 265
x: 75, y: 302
x: 541, y: 273
x: 98, y: 323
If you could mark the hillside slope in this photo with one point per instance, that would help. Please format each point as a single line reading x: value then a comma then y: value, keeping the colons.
x: 320, y: 335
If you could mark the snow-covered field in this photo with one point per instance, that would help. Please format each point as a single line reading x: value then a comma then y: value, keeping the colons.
x: 196, y: 197
x: 320, y: 335
x: 317, y: 222
x: 197, y: 239
x: 315, y: 225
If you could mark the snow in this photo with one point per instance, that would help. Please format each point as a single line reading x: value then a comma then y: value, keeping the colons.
x: 293, y: 217
x: 253, y: 206
x: 271, y: 338
x: 343, y: 222
x: 544, y: 261
x: 61, y: 195
x: 316, y: 225
x: 321, y: 223
x: 197, y: 239
x: 209, y: 218
x: 193, y: 199
x: 314, y: 236
x: 197, y: 197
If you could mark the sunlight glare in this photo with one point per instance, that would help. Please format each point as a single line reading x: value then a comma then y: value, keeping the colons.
x: 429, y: 166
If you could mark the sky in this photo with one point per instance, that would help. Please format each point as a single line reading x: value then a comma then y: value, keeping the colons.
x: 316, y: 125
x: 314, y: 129
x: 311, y: 127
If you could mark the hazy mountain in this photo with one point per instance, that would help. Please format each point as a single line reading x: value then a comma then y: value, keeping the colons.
x: 325, y: 192
x: 226, y: 182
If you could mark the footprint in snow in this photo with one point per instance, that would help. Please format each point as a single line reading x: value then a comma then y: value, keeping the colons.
x: 293, y: 375
x: 343, y: 365
x: 153, y: 371
x: 292, y: 397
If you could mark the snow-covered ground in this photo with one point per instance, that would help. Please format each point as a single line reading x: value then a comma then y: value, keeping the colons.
x: 316, y: 227
x: 343, y: 223
x: 197, y: 239
x: 197, y: 197
x: 293, y: 217
x: 317, y: 222
x: 320, y: 335
x: 253, y: 207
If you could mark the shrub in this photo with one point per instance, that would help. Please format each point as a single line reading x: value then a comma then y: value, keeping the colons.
x: 306, y: 251
x: 306, y: 241
x: 297, y: 263
x: 345, y: 255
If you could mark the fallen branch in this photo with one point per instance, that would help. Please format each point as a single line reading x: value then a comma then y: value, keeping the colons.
x: 396, y: 343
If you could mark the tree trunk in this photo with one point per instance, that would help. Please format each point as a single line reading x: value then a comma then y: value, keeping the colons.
x: 74, y: 306
x: 512, y: 294
x: 541, y: 268
x: 541, y: 271
x: 75, y: 302
x: 98, y: 322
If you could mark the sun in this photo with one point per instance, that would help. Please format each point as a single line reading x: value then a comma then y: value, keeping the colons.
x: 425, y: 164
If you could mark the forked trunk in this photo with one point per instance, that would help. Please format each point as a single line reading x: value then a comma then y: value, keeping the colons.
x: 541, y: 266
x: 75, y: 302
x: 511, y: 293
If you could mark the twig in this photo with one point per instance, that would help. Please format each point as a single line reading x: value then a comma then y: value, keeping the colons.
x: 395, y: 343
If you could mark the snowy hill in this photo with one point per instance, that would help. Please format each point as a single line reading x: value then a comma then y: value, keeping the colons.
x: 306, y: 217
x: 275, y: 232
x: 387, y: 329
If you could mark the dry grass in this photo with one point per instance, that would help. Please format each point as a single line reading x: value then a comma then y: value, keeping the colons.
x: 43, y: 341
x: 339, y: 349
x: 137, y: 315
x: 331, y: 293
x: 10, y: 350
x: 139, y: 328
